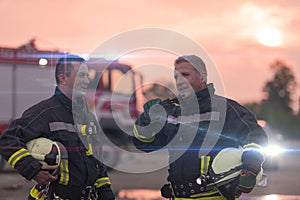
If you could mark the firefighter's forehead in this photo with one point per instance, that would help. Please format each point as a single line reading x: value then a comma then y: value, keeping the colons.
x: 80, y: 67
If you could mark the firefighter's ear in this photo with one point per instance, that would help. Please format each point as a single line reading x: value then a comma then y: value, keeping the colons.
x: 204, y: 77
x: 62, y: 79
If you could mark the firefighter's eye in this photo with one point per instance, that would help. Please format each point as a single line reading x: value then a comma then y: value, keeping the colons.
x: 82, y: 75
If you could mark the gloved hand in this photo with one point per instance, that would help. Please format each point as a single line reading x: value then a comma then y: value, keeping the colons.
x: 105, y: 193
x: 144, y: 119
x: 168, y: 105
x: 150, y: 103
x: 252, y: 161
x: 150, y: 123
x: 247, y: 181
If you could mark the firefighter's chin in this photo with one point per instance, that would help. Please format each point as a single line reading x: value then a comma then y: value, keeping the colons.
x: 79, y: 92
x: 185, y: 95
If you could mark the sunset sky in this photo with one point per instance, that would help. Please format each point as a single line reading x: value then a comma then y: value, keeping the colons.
x: 242, y: 37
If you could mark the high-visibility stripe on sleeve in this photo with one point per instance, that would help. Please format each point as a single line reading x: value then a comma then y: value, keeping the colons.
x: 252, y: 145
x: 204, y: 164
x: 13, y: 159
x: 102, y: 181
x: 141, y: 137
x: 64, y: 172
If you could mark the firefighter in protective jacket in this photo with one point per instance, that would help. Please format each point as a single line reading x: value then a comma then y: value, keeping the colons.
x: 79, y: 174
x: 194, y: 128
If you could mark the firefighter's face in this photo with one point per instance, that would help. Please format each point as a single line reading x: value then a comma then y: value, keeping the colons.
x: 188, y: 80
x: 78, y: 80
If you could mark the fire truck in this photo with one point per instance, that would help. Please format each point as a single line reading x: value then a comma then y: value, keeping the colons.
x: 27, y: 77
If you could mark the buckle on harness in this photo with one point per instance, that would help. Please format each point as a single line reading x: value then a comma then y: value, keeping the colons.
x: 89, y: 193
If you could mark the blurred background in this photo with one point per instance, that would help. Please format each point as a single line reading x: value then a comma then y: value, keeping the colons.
x: 253, y: 44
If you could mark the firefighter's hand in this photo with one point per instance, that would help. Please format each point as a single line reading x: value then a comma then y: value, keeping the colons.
x: 44, y: 176
x: 145, y: 119
x: 247, y: 181
x: 252, y: 162
x: 150, y: 103
x: 105, y: 193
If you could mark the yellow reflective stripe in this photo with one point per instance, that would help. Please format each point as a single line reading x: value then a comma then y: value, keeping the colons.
x: 206, y: 194
x: 35, y: 193
x: 102, y: 181
x: 141, y: 137
x: 204, y: 164
x: 251, y: 145
x: 83, y: 129
x: 64, y: 172
x: 13, y: 159
x: 254, y: 147
x: 90, y: 151
x: 193, y: 197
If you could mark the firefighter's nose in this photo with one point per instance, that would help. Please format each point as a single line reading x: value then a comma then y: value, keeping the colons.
x: 87, y: 80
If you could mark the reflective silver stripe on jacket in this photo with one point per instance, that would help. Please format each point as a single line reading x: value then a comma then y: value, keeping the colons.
x: 208, y: 116
x: 59, y: 126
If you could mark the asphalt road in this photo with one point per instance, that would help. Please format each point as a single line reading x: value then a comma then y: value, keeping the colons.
x: 283, y: 183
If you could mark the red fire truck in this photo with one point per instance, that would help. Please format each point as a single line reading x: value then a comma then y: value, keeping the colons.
x: 27, y: 76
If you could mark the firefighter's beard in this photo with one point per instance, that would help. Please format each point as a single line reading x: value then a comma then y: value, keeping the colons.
x: 78, y: 92
x: 79, y: 89
x: 186, y: 94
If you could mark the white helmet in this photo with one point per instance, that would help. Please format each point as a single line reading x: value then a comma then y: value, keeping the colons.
x: 229, y: 159
x: 225, y: 170
x: 45, y: 150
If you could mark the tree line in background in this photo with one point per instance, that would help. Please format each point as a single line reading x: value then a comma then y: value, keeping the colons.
x: 276, y: 107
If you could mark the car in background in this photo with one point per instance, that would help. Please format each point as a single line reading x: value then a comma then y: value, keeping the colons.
x: 275, y: 147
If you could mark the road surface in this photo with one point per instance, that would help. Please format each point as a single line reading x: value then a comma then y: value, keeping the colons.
x: 282, y: 184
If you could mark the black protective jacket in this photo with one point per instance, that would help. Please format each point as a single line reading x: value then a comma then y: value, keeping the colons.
x: 53, y: 119
x: 195, y: 130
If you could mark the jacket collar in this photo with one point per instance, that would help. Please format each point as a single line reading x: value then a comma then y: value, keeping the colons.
x: 63, y: 98
x: 206, y: 92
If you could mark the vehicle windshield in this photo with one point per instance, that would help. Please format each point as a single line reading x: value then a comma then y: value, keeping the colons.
x: 114, y: 80
x: 122, y: 83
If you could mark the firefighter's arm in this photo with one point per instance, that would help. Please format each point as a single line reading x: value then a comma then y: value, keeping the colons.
x: 252, y: 137
x: 252, y: 159
x: 149, y: 126
x: 102, y: 185
x: 23, y: 162
x: 18, y: 156
x: 244, y: 126
x: 13, y: 147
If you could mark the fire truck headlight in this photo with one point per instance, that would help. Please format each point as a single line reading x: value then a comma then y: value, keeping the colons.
x: 43, y: 62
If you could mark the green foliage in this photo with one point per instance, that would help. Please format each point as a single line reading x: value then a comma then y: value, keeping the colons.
x: 276, y: 108
x: 285, y: 122
x: 279, y: 90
